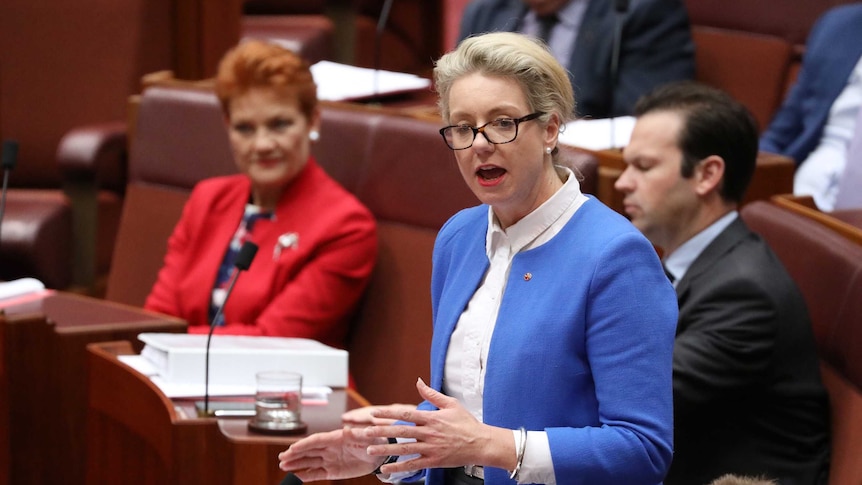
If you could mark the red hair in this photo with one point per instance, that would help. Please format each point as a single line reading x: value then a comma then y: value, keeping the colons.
x: 254, y: 64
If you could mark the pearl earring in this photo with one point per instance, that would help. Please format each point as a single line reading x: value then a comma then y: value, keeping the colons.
x: 548, y: 150
x: 313, y: 136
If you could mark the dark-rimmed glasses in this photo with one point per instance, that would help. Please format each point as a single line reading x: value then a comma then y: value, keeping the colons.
x: 497, y: 132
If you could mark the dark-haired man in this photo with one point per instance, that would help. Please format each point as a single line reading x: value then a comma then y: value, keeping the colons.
x: 747, y: 393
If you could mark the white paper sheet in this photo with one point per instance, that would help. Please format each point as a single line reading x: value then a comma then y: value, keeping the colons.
x: 21, y: 286
x: 341, y: 82
x: 600, y: 134
x: 310, y: 394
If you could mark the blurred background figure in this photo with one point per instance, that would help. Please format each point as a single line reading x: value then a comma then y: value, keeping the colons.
x: 816, y: 123
x: 656, y: 46
x: 317, y: 242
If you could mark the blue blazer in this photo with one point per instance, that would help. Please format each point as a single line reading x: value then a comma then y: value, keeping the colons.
x: 656, y: 49
x: 832, y: 50
x: 582, y: 348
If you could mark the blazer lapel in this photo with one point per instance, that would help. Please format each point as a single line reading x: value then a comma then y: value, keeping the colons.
x: 721, y: 245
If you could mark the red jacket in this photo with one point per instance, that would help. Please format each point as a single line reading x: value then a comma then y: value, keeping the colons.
x: 306, y: 290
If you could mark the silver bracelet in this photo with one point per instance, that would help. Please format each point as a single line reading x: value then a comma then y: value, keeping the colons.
x: 521, y: 449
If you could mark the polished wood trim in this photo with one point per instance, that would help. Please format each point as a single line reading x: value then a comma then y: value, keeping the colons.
x: 838, y: 221
x: 131, y: 422
x: 43, y: 380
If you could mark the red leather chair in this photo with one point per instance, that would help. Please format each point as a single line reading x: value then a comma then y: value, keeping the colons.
x: 751, y: 67
x: 827, y: 267
x: 311, y: 36
x: 75, y: 70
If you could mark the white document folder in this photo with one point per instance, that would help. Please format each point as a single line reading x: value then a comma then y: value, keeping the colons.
x: 234, y: 360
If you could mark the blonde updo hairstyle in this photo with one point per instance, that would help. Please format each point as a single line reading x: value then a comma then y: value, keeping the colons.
x: 543, y: 80
x: 255, y: 64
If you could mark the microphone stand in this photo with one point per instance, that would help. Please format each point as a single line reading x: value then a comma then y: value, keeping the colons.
x: 620, y: 8
x: 243, y: 261
x: 9, y: 158
x: 378, y: 39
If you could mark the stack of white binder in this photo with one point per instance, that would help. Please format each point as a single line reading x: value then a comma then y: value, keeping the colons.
x: 177, y: 361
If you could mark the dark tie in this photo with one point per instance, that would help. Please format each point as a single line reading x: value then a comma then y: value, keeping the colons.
x: 546, y: 25
x: 669, y: 275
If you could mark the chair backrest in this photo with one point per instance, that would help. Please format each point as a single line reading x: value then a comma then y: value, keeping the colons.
x: 827, y: 267
x: 311, y: 36
x: 792, y: 24
x: 750, y: 67
x: 178, y: 139
x: 76, y: 68
x: 847, y: 222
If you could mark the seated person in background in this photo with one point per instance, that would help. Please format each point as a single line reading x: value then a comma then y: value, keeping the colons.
x: 656, y: 44
x: 816, y: 122
x: 317, y: 243
x: 553, y: 321
x: 746, y: 379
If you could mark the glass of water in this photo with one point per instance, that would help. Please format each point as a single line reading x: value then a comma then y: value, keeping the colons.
x: 278, y: 401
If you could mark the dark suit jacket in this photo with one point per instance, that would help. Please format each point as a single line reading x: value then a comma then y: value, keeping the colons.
x: 747, y: 393
x: 656, y: 49
x: 832, y: 50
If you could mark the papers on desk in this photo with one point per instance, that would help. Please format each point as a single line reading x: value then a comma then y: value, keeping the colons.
x: 176, y: 363
x: 600, y: 134
x: 20, y: 291
x: 340, y: 82
x: 310, y: 394
x: 22, y: 286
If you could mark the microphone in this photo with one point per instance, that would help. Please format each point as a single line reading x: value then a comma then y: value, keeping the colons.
x: 243, y: 261
x: 620, y: 7
x: 378, y: 39
x: 9, y: 158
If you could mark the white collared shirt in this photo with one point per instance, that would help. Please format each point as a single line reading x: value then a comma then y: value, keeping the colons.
x: 820, y: 173
x: 564, y: 34
x: 470, y: 342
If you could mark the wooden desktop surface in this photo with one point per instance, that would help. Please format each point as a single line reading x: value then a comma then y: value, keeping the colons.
x: 133, y: 423
x: 43, y: 385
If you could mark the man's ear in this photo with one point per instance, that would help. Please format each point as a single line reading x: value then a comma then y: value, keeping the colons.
x: 710, y: 174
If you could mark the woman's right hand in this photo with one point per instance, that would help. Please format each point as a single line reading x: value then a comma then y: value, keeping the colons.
x: 333, y: 455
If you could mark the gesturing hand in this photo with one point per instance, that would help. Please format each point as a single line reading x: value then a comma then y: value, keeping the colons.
x: 448, y: 437
x: 364, y: 415
x: 328, y: 456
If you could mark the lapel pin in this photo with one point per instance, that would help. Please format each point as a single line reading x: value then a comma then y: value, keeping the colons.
x: 287, y: 240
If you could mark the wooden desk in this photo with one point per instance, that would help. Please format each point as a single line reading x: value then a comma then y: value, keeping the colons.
x: 138, y: 435
x: 772, y: 175
x: 43, y: 385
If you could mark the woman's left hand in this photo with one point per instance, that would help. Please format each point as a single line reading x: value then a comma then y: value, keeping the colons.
x: 446, y: 438
x: 336, y: 454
